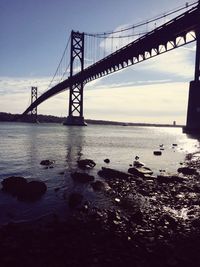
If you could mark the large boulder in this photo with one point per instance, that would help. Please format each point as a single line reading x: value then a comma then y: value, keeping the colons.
x: 34, y: 190
x: 14, y: 185
x: 141, y: 172
x: 86, y: 163
x: 22, y: 189
x: 82, y: 177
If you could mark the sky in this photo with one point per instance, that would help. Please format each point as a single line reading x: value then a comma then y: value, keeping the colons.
x: 34, y: 33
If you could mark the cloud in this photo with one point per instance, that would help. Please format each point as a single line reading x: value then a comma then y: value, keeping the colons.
x: 150, y: 102
x: 146, y: 103
x: 140, y: 101
x: 98, y: 85
x: 16, y: 92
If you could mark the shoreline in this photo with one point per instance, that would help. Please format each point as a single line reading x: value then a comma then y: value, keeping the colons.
x: 8, y: 117
x: 155, y: 222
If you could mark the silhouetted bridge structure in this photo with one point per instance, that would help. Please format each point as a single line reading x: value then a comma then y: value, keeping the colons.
x: 179, y: 31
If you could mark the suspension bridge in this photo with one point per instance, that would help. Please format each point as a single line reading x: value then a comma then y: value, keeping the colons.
x: 90, y: 56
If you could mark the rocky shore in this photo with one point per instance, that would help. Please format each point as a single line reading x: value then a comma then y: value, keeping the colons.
x: 154, y: 221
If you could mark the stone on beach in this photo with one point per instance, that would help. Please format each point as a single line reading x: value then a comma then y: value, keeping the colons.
x: 86, y: 163
x: 141, y: 172
x: 106, y: 160
x: 47, y: 162
x: 138, y: 164
x: 22, y: 189
x: 14, y: 185
x: 157, y: 153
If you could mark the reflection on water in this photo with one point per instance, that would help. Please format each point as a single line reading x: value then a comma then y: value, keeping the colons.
x: 23, y: 146
x: 73, y: 144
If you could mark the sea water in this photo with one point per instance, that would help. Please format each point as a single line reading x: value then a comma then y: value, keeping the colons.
x: 24, y: 146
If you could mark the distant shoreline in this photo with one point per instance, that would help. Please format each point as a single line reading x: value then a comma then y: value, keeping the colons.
x: 8, y: 117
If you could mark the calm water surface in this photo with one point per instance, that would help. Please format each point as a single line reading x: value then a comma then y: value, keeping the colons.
x: 23, y: 146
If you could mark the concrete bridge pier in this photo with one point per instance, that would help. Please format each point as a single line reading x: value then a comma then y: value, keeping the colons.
x: 75, y: 120
x: 193, y: 113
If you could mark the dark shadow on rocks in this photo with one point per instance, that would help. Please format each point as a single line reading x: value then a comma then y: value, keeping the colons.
x: 75, y: 200
x: 112, y: 173
x: 82, y: 177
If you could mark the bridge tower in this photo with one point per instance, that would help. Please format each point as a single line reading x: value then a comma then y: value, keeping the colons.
x: 193, y: 112
x: 75, y: 116
x: 33, y: 98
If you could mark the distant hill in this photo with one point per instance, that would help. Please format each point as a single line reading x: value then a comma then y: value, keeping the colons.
x: 53, y: 119
x: 27, y: 118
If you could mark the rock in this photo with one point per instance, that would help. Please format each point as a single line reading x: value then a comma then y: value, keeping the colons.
x: 82, y: 177
x: 169, y: 179
x: 195, y: 222
x: 162, y: 170
x: 112, y: 173
x: 157, y: 153
x: 14, y: 185
x: 106, y: 160
x: 187, y: 170
x: 75, y: 200
x: 117, y: 200
x: 137, y: 217
x: 47, y: 162
x: 23, y: 190
x: 99, y: 185
x: 86, y: 164
x: 141, y: 172
x: 167, y: 219
x: 138, y: 164
x: 34, y: 190
x: 128, y: 203
x: 136, y: 157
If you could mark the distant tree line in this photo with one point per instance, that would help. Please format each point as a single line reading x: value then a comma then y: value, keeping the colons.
x: 53, y: 119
